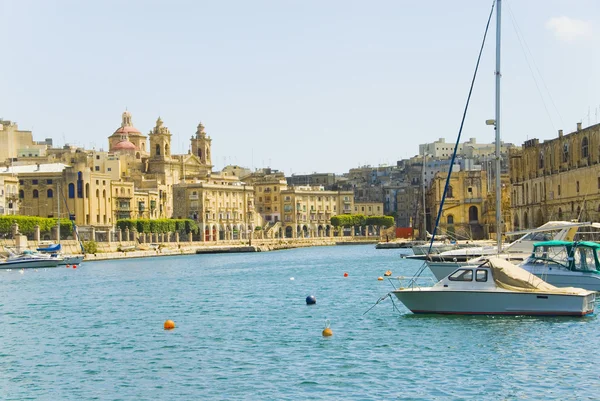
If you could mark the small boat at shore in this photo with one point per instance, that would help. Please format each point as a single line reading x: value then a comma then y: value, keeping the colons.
x: 28, y: 260
x: 496, y: 288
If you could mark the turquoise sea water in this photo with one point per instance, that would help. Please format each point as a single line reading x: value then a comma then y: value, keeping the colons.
x: 244, y: 332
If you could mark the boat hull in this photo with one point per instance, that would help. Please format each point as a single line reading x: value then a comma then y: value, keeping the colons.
x: 423, y: 300
x: 28, y: 264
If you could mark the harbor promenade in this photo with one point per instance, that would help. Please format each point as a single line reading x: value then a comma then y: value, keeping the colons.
x: 131, y: 249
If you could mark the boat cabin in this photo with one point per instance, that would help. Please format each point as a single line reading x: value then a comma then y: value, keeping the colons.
x: 579, y: 256
x: 474, y: 278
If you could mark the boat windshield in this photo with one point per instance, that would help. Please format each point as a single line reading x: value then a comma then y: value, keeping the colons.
x: 551, y: 254
x: 584, y: 259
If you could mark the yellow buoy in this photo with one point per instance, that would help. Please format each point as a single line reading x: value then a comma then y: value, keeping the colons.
x: 169, y: 325
x: 380, y: 278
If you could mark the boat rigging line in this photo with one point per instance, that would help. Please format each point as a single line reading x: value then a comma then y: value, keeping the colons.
x: 437, y: 220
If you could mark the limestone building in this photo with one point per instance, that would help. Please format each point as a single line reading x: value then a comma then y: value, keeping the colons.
x: 17, y: 143
x: 307, y: 211
x: 558, y: 179
x: 464, y: 207
x: 222, y: 206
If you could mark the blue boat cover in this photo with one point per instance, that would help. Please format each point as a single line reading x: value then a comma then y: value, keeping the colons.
x: 51, y: 248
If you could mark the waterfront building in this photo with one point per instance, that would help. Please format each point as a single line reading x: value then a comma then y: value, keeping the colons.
x: 307, y: 211
x: 9, y: 194
x: 440, y: 149
x: 558, y: 179
x: 84, y: 194
x: 462, y: 215
x: 222, y: 206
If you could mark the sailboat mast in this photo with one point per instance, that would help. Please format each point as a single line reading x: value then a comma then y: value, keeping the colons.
x: 497, y: 118
x: 58, y: 212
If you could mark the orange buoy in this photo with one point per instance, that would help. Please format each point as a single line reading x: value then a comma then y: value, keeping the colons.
x: 74, y: 266
x: 346, y: 274
x: 68, y: 266
x: 380, y: 278
x: 169, y: 325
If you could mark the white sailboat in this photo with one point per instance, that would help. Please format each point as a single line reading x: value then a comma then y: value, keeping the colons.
x: 496, y: 287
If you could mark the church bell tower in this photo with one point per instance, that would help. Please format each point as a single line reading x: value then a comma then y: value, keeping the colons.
x: 160, y: 141
x: 201, y: 145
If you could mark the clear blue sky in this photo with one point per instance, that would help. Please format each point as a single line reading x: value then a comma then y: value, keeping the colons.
x: 299, y: 86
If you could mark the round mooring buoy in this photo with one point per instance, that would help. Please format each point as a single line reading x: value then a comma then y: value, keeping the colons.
x: 346, y: 274
x: 311, y: 300
x: 380, y: 278
x: 169, y: 325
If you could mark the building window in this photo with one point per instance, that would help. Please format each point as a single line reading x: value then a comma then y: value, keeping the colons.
x: 450, y: 219
x: 541, y: 159
x: 584, y: 147
x: 577, y: 185
x: 97, y: 157
x: 71, y: 191
x: 21, y: 182
x: 34, y: 182
x: 49, y: 194
x: 21, y: 194
x: 450, y: 194
x: 565, y: 156
x: 36, y: 194
x: 97, y: 168
x: 558, y: 189
x: 49, y: 182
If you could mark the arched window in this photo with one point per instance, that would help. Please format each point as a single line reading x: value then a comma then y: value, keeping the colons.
x: 157, y: 149
x: 36, y: 194
x: 541, y: 159
x: 21, y: 194
x: 565, y: 155
x: 449, y: 194
x: 450, y: 219
x: 87, y: 190
x: 49, y: 194
x: 71, y: 191
x: 584, y: 147
x: 104, y: 193
x: 200, y: 153
x: 137, y: 155
x: 167, y: 150
x: 97, y: 193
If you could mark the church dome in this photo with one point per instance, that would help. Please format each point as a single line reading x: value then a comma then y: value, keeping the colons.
x: 124, y: 146
x: 127, y: 130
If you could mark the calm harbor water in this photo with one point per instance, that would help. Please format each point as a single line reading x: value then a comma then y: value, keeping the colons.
x: 244, y: 332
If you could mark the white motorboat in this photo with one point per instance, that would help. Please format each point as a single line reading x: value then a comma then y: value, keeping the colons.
x: 28, y: 261
x: 566, y: 263
x: 516, y: 252
x: 496, y: 288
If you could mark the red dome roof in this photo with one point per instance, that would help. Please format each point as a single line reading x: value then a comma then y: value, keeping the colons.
x: 124, y: 145
x: 127, y: 130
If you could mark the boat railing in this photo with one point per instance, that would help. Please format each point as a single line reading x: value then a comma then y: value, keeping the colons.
x: 411, y: 281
